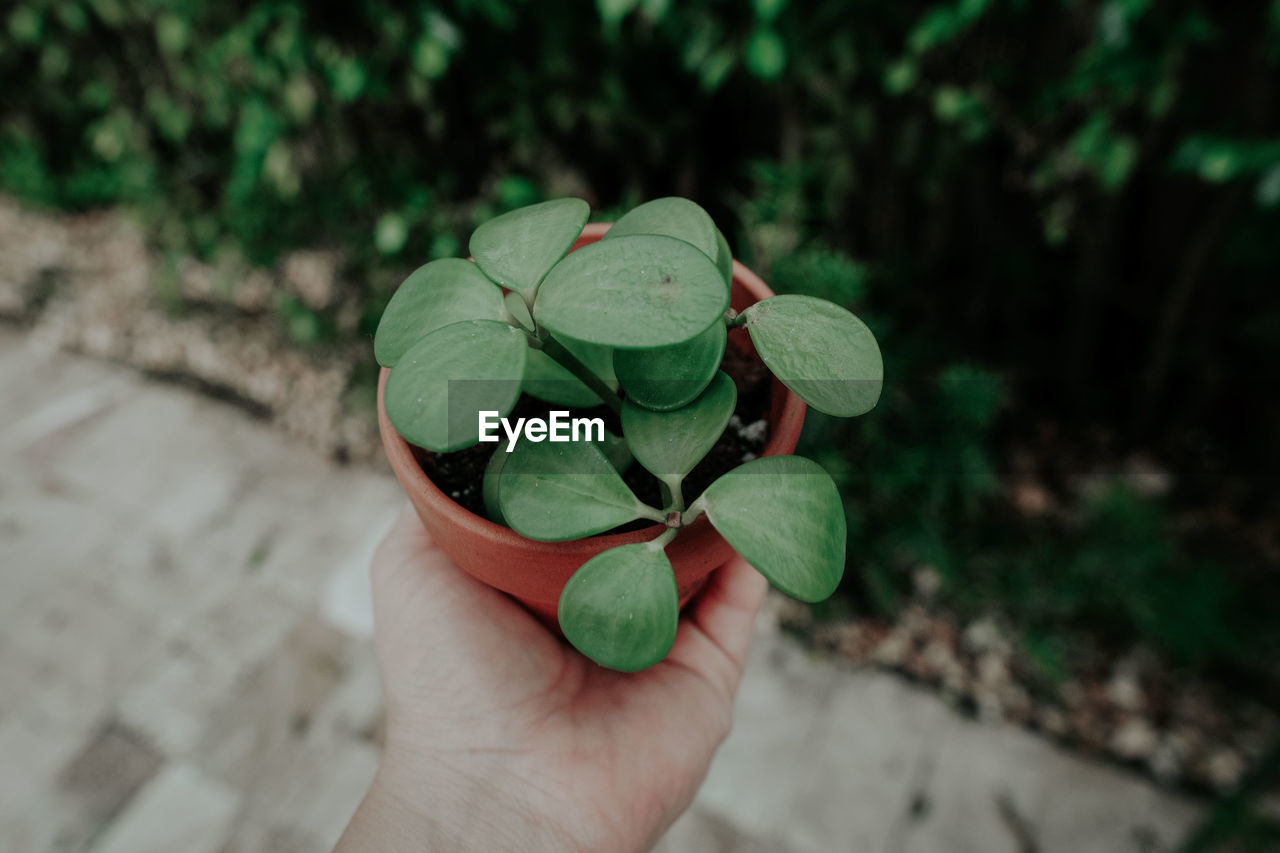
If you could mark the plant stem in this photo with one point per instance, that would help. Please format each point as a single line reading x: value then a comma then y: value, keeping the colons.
x: 676, y: 494
x: 690, y: 515
x: 660, y: 541
x: 556, y: 350
x: 643, y: 510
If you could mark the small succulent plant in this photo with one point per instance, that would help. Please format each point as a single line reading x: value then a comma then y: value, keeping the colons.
x: 637, y: 322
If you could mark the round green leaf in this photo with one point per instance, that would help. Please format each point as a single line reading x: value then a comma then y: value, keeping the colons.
x: 783, y: 515
x: 438, y: 388
x: 820, y: 351
x: 433, y: 296
x: 670, y: 444
x: 390, y: 233
x: 632, y: 292
x: 517, y: 249
x: 765, y: 53
x: 724, y: 257
x: 673, y: 217
x: 549, y: 380
x: 489, y: 486
x: 622, y: 608
x: 564, y: 490
x: 616, y: 451
x: 768, y: 10
x: 669, y: 377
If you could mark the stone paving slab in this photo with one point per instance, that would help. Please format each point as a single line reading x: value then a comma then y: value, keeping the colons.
x: 185, y: 664
x: 180, y: 809
x: 823, y: 759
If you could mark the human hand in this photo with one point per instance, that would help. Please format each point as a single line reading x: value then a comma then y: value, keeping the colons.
x: 502, y: 737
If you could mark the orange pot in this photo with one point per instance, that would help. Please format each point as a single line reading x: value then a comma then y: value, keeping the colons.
x: 533, y: 572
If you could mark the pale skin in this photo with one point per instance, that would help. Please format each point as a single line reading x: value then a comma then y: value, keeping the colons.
x: 500, y: 737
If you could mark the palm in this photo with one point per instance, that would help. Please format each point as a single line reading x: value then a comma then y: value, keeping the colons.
x: 600, y: 755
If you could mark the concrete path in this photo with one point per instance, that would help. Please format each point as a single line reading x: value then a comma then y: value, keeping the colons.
x: 185, y: 664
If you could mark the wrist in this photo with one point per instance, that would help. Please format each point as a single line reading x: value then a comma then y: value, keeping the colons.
x: 460, y: 802
x: 386, y: 822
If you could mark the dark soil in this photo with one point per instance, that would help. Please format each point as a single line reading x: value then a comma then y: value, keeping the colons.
x: 460, y: 474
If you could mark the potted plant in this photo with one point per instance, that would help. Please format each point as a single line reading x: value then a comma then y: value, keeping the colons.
x: 625, y: 334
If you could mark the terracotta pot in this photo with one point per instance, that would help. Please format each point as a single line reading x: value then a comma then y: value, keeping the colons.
x: 535, y: 572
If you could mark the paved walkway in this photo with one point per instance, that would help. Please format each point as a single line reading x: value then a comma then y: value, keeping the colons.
x: 185, y: 664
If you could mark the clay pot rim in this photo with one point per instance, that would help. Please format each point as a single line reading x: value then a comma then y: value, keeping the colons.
x: 784, y: 430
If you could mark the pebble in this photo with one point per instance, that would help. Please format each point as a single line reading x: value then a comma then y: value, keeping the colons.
x: 1124, y: 692
x: 1225, y: 767
x: 754, y: 431
x: 892, y: 651
x: 1032, y: 499
x: 981, y: 635
x: 993, y: 670
x: 312, y: 274
x: 1053, y: 721
x: 927, y: 581
x: 1165, y: 763
x: 1134, y: 739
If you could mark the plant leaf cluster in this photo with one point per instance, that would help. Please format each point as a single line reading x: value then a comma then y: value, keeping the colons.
x: 637, y: 321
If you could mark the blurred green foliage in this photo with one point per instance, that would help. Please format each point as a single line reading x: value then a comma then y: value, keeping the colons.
x: 1064, y: 215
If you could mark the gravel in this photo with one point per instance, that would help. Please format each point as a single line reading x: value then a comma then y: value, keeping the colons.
x: 88, y: 284
x: 1183, y: 731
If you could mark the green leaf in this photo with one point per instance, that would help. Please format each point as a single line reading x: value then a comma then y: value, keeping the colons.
x: 784, y: 516
x: 655, y: 10
x: 671, y: 217
x: 900, y: 76
x: 517, y: 249
x: 724, y: 257
x: 715, y: 68
x: 613, y: 11
x: 670, y: 444
x: 437, y: 388
x: 616, y: 451
x: 390, y: 233
x: 669, y: 377
x: 25, y: 25
x: 433, y: 296
x: 172, y: 33
x: 634, y: 292
x: 490, y: 485
x: 768, y: 10
x: 1267, y: 193
x: 549, y: 380
x: 766, y: 55
x: 430, y: 57
x: 517, y: 191
x: 820, y: 351
x: 622, y: 608
x: 614, y: 448
x: 565, y: 490
x: 1118, y: 162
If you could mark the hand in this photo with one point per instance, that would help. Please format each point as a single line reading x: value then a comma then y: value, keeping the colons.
x: 501, y: 737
